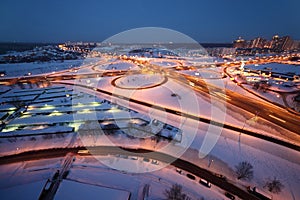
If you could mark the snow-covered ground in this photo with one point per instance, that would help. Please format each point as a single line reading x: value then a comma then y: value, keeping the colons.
x: 208, y: 73
x: 23, y: 69
x: 216, y: 149
x: 78, y: 190
x: 187, y: 100
x: 91, y: 178
x: 37, y: 68
x: 116, y: 66
x: 277, y: 67
x: 268, y: 159
x: 139, y: 81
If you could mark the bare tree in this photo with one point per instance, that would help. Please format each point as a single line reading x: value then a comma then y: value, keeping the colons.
x: 274, y: 185
x: 175, y: 193
x: 244, y: 170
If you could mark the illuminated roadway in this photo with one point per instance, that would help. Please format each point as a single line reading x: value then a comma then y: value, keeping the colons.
x: 108, y: 150
x: 268, y: 111
x: 273, y: 113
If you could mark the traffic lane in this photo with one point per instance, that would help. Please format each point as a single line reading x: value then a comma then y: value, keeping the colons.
x: 201, y: 119
x: 289, y: 122
x: 274, y: 114
x: 54, y: 77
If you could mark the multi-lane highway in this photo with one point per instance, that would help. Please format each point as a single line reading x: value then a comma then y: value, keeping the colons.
x: 273, y: 113
x: 266, y: 110
x: 263, y: 109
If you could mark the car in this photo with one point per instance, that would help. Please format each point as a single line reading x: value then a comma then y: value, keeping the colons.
x: 190, y: 176
x: 205, y: 183
x: 123, y: 156
x: 229, y: 195
x: 221, y: 176
x: 155, y: 162
x: 179, y: 170
x: 134, y: 158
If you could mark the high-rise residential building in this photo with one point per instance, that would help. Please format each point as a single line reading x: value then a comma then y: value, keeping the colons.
x: 258, y: 43
x: 288, y: 43
x: 296, y: 45
x: 261, y: 45
x: 239, y: 43
x: 279, y: 44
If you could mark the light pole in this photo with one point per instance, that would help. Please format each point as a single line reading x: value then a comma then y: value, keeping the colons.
x: 210, y: 161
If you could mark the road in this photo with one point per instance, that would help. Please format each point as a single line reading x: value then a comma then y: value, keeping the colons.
x: 268, y: 111
x: 48, y: 193
x: 272, y: 113
x: 107, y: 150
x: 194, y: 117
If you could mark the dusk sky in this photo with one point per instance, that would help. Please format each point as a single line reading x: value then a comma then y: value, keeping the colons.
x: 96, y: 20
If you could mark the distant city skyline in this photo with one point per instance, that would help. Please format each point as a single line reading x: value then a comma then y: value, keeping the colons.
x: 211, y: 21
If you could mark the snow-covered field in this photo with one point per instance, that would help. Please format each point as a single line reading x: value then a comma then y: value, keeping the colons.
x: 139, y: 81
x: 25, y: 69
x: 277, y: 67
x: 208, y: 73
x: 116, y: 66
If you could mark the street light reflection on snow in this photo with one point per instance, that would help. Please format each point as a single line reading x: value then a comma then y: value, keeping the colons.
x: 84, y: 111
x: 95, y: 103
x: 8, y: 129
x: 75, y: 125
x: 79, y: 105
x: 25, y: 116
x: 113, y: 110
x: 56, y: 113
x: 47, y: 107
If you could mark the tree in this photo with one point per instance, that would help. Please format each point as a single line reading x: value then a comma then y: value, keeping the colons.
x: 244, y: 170
x: 175, y: 193
x: 274, y: 185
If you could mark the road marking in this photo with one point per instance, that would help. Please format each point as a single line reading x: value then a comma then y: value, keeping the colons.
x: 277, y: 118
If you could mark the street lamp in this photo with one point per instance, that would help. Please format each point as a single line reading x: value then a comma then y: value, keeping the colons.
x: 210, y: 161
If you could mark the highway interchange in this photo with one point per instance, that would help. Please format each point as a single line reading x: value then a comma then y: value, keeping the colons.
x: 268, y: 111
x: 278, y: 115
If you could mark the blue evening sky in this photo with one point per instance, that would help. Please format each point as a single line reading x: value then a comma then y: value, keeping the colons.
x: 96, y: 20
